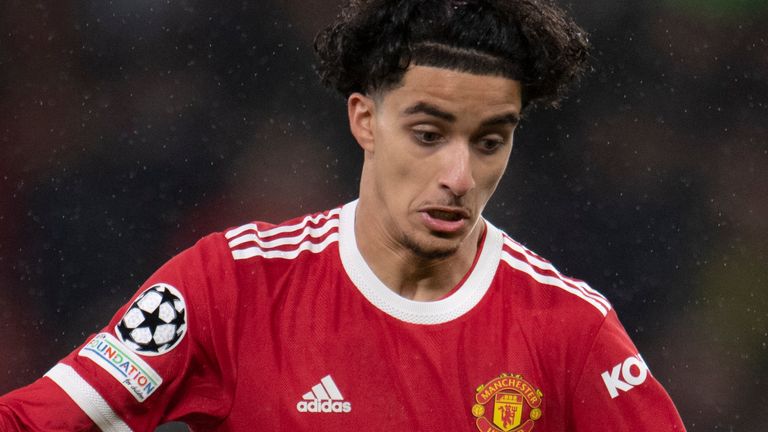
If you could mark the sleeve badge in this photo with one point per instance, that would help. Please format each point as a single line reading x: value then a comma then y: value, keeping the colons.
x: 156, y: 321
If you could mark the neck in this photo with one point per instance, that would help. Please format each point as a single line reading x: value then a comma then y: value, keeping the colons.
x: 405, y: 272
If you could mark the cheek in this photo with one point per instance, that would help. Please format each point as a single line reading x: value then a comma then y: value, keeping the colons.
x: 491, y: 175
x: 400, y: 169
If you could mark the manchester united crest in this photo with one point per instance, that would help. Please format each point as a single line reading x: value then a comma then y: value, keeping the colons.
x: 507, y: 403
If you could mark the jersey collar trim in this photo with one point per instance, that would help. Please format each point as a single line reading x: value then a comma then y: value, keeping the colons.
x: 461, y: 301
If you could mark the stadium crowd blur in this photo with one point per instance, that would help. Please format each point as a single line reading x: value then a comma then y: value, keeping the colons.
x: 131, y: 128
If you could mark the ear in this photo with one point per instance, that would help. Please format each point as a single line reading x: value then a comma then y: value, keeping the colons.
x: 361, y: 111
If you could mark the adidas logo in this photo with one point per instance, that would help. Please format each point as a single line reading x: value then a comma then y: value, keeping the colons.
x: 325, y: 397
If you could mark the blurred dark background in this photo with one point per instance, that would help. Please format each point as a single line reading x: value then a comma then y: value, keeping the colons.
x: 130, y: 128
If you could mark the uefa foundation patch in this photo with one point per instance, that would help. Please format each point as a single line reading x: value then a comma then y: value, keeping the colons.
x: 128, y: 368
x: 155, y: 323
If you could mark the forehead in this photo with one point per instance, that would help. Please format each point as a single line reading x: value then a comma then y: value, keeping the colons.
x: 457, y: 91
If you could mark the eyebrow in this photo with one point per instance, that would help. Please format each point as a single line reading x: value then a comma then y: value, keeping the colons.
x: 429, y: 109
x: 509, y: 118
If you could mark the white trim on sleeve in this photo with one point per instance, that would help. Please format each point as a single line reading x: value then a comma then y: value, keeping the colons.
x: 87, y: 398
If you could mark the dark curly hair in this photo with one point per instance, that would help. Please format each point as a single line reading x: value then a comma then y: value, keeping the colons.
x: 372, y: 42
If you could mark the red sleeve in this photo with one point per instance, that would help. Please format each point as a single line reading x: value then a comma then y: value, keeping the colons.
x: 33, y: 407
x: 156, y: 361
x: 616, y: 390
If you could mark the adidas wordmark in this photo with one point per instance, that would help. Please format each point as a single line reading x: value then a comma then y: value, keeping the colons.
x: 324, y: 397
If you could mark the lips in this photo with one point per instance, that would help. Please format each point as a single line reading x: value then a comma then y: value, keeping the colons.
x: 444, y: 215
x: 445, y: 219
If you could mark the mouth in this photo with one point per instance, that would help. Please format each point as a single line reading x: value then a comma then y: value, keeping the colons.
x: 445, y: 215
x: 445, y: 219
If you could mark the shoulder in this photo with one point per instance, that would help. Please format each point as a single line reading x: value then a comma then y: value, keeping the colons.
x: 547, y: 288
x: 222, y: 261
x: 286, y: 240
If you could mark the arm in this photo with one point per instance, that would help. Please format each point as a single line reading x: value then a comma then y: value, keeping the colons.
x: 156, y: 361
x: 616, y: 390
x: 40, y: 405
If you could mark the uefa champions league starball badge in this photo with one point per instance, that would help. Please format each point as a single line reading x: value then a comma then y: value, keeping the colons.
x: 156, y: 321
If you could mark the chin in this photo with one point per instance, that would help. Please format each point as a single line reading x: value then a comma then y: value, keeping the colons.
x: 432, y: 249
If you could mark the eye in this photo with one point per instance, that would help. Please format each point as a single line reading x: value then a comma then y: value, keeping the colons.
x: 490, y: 144
x: 427, y: 137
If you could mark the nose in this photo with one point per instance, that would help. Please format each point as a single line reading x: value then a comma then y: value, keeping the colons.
x: 456, y: 175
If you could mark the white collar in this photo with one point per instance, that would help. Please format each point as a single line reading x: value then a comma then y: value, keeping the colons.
x: 461, y: 301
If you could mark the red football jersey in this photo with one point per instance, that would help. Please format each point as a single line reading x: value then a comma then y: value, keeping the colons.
x: 285, y: 327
